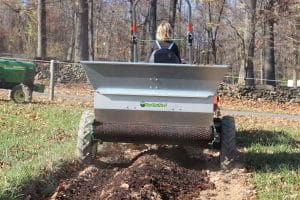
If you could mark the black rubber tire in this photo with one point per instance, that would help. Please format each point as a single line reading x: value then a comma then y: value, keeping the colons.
x: 218, y: 126
x: 228, y: 142
x: 21, y: 94
x: 86, y: 146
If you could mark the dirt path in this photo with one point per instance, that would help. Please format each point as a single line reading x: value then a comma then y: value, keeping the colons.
x: 151, y: 172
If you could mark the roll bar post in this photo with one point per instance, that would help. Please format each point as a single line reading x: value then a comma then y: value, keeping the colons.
x: 134, y: 31
x: 189, y: 32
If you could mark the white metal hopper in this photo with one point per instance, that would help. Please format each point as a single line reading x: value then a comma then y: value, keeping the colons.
x: 169, y: 94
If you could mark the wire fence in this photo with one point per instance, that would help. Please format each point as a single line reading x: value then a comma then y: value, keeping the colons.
x: 257, y: 81
x: 68, y: 79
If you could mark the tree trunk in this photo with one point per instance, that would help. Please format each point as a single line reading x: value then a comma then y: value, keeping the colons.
x: 20, y: 34
x: 210, y: 33
x: 152, y: 15
x: 269, y: 59
x: 296, y: 70
x: 172, y: 12
x: 81, y: 35
x: 42, y: 34
x: 247, y: 78
x: 242, y: 72
x: 131, y: 18
x: 212, y: 30
x: 91, y: 29
x: 70, y: 53
x: 269, y: 66
x: 143, y: 36
x: 214, y: 50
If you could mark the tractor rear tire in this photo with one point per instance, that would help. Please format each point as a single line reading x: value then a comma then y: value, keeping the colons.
x: 228, y: 142
x: 21, y: 94
x: 86, y: 146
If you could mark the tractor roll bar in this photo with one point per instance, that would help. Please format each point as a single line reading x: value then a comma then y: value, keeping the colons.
x: 189, y: 31
x: 134, y: 32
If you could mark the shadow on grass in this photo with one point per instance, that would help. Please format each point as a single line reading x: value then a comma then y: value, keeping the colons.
x: 264, y: 150
x: 8, y: 100
x: 266, y: 138
x: 42, y: 186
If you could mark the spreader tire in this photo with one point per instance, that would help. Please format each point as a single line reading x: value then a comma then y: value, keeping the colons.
x: 86, y: 146
x: 21, y: 94
x: 228, y: 143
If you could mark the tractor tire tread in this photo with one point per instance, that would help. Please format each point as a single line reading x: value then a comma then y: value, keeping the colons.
x: 27, y: 92
x: 228, y: 142
x: 86, y: 146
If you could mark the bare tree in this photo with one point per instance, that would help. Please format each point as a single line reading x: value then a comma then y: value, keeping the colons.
x: 70, y: 51
x: 152, y: 15
x: 16, y: 25
x: 269, y: 51
x: 296, y: 70
x: 273, y: 11
x: 246, y: 75
x: 212, y: 16
x: 82, y: 31
x: 221, y: 32
x: 212, y: 30
x: 42, y: 32
x: 143, y: 51
x: 91, y: 29
x: 172, y: 12
x: 131, y: 23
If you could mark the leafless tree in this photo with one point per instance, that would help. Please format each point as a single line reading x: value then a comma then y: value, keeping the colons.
x: 42, y: 30
x: 234, y: 32
x: 212, y: 15
x: 246, y: 74
x: 82, y: 31
x: 296, y: 70
x: 172, y: 12
x: 91, y: 29
x: 152, y: 15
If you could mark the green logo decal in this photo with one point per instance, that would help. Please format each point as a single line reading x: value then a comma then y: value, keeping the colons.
x: 152, y: 104
x: 142, y: 104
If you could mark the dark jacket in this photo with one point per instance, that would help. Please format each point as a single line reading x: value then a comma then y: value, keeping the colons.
x: 163, y: 44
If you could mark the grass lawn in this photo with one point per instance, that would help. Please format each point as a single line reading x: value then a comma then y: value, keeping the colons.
x: 35, y: 140
x: 39, y: 140
x: 272, y: 155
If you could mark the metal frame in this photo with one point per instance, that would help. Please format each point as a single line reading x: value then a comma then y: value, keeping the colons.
x: 189, y: 32
x: 153, y: 102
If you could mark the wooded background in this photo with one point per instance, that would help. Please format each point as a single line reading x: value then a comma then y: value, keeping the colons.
x: 259, y: 39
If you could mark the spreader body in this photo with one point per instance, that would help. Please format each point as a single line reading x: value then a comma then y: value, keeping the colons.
x: 153, y: 103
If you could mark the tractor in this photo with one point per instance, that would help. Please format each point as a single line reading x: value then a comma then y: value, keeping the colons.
x: 18, y: 77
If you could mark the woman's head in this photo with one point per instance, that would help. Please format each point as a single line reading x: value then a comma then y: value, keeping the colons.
x: 164, y: 31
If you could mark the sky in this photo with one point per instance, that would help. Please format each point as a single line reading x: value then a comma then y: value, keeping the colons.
x: 25, y: 2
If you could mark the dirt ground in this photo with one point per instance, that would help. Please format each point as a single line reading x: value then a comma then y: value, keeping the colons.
x: 127, y: 171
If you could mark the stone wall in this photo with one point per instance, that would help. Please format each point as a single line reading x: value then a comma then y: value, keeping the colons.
x: 74, y: 73
x: 64, y: 73
x: 261, y: 93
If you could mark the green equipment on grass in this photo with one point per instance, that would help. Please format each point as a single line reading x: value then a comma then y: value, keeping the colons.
x: 18, y: 76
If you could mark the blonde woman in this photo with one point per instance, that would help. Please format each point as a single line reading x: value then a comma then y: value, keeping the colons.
x: 164, y: 50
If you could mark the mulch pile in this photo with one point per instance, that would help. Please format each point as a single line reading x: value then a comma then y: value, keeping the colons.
x: 148, y: 177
